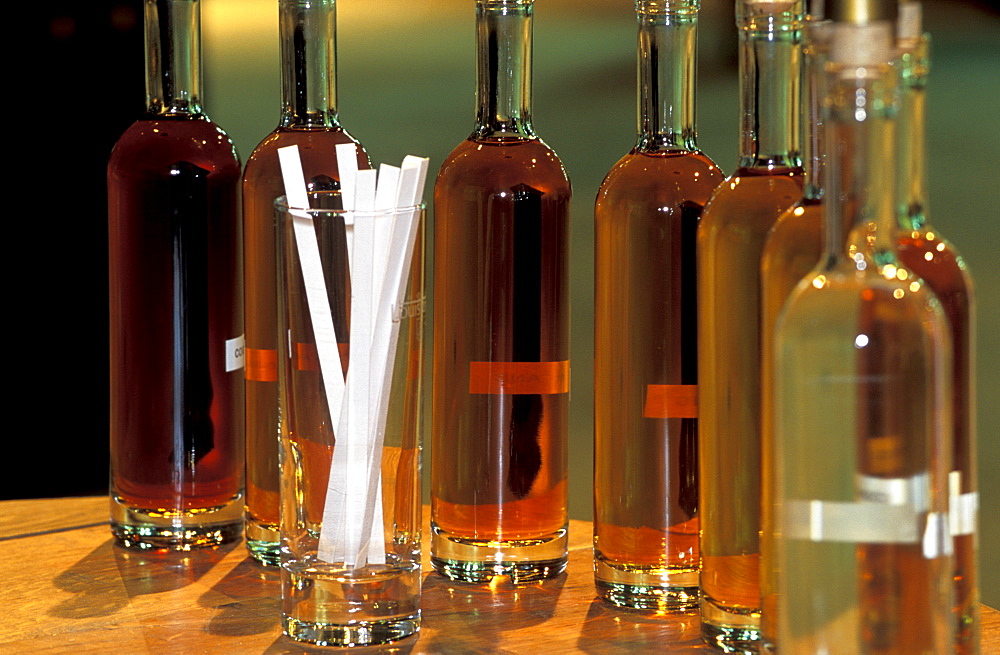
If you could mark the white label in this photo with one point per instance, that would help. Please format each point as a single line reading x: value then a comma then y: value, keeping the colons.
x: 235, y: 353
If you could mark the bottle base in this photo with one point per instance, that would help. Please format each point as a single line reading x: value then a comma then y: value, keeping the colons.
x: 646, y: 587
x: 167, y: 529
x: 328, y: 604
x: 360, y: 633
x: 730, y: 630
x: 482, y: 560
x: 263, y: 541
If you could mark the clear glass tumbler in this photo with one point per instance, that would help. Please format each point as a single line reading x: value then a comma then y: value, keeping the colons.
x: 350, y: 290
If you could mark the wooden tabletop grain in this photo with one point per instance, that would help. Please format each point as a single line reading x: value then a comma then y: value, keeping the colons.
x: 65, y: 588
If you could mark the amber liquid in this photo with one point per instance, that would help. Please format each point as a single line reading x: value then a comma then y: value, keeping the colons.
x: 176, y: 299
x: 731, y: 239
x: 936, y: 262
x: 792, y: 250
x: 262, y: 184
x: 501, y: 294
x: 646, y: 484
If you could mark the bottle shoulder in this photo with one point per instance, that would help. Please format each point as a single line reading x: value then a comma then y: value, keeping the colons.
x: 304, y: 138
x: 936, y: 260
x: 659, y: 180
x: 751, y: 197
x: 317, y: 151
x: 151, y: 144
x: 497, y: 164
x: 860, y: 299
x: 799, y: 226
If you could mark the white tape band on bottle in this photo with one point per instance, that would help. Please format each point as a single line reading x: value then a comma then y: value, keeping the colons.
x: 963, y: 509
x: 860, y: 522
x: 914, y: 490
x: 937, y: 539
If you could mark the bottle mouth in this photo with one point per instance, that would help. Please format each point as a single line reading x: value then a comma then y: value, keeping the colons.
x: 504, y: 4
x: 769, y: 15
x: 664, y: 7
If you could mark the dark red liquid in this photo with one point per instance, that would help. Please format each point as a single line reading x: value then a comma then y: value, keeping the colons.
x: 176, y: 299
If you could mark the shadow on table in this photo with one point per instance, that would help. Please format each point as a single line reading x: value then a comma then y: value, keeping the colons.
x: 97, y: 579
x: 467, y: 618
x: 610, y: 629
x: 247, y: 601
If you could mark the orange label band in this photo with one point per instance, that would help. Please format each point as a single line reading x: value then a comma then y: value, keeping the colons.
x: 519, y: 377
x: 261, y: 365
x: 307, y: 358
x: 671, y: 401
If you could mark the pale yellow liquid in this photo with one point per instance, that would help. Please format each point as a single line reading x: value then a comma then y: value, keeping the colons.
x: 858, y: 374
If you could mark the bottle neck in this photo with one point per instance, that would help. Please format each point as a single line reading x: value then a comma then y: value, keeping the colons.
x: 668, y: 32
x: 173, y: 63
x: 308, y: 31
x: 860, y: 110
x: 770, y: 91
x: 503, y: 68
x: 817, y: 35
x: 912, y: 160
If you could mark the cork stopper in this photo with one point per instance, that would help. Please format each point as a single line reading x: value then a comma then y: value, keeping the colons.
x: 909, y: 25
x: 863, y: 45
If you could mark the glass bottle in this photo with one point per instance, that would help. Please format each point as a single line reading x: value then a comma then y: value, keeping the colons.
x: 731, y: 237
x: 862, y: 412
x: 923, y: 250
x: 176, y: 298
x: 501, y: 328
x: 309, y: 121
x: 791, y: 251
x: 645, y: 375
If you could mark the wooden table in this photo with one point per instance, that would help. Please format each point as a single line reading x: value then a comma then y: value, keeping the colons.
x: 66, y: 588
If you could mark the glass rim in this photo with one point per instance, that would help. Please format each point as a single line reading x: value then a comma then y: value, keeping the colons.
x: 281, y: 205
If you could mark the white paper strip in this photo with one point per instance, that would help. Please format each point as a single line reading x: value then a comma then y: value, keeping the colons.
x: 399, y: 257
x: 331, y: 369
x: 359, y: 404
x: 347, y: 168
x: 380, y: 253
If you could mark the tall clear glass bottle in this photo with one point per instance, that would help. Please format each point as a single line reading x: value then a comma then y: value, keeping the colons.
x: 501, y: 328
x: 862, y: 411
x: 923, y: 250
x: 645, y: 377
x: 731, y: 237
x: 176, y: 298
x: 308, y: 32
x: 791, y: 251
